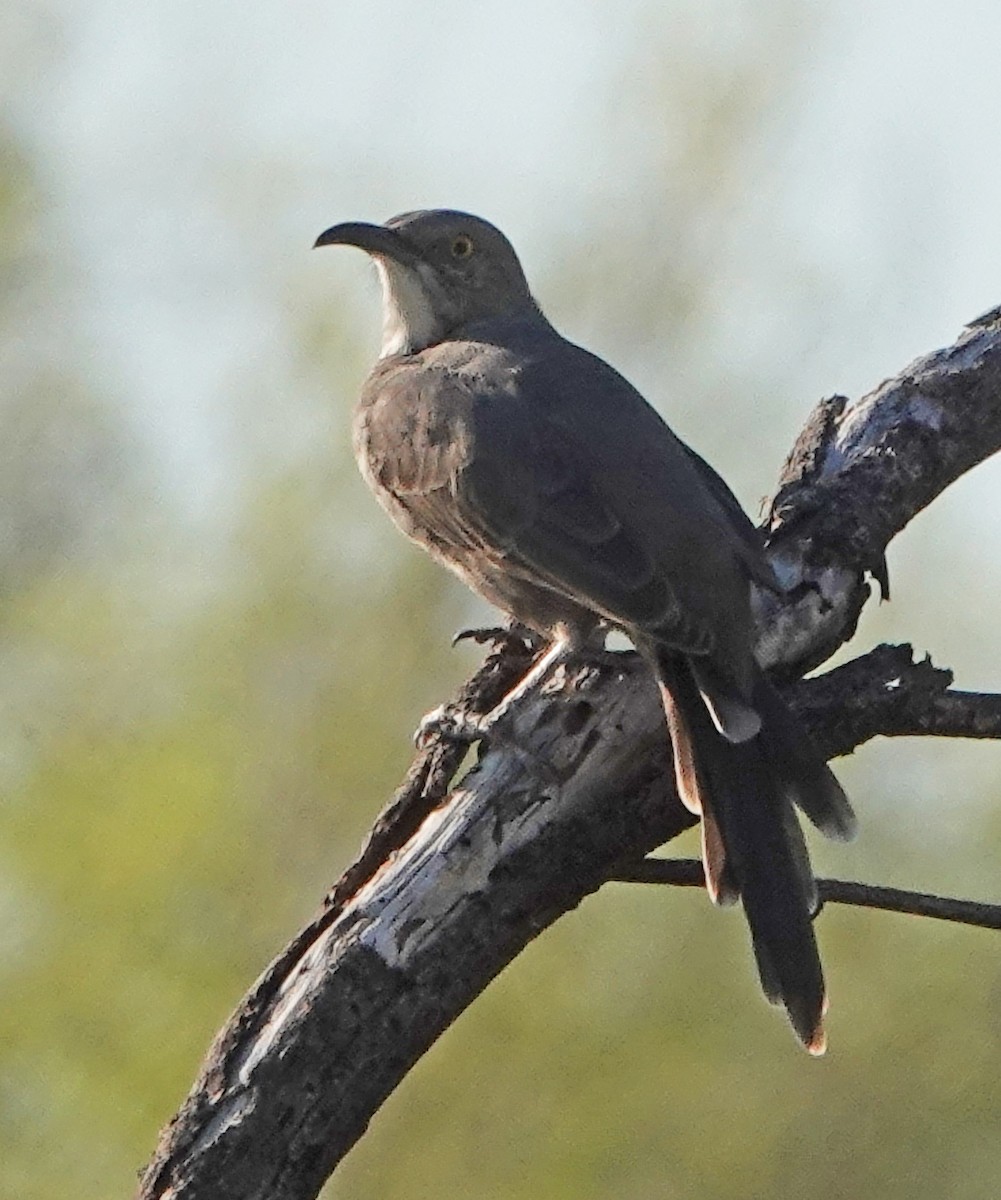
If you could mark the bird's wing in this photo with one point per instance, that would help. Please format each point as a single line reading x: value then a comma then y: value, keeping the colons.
x: 751, y: 539
x: 484, y: 471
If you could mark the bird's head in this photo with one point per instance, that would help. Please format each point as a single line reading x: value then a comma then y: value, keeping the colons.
x: 441, y: 271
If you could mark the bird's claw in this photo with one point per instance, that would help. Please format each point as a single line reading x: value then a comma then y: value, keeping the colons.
x: 482, y: 637
x: 508, y: 637
x: 449, y: 724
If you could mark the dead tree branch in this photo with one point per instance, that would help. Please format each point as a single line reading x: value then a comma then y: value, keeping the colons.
x: 452, y: 885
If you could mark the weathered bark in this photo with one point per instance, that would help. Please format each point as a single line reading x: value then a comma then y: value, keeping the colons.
x: 574, y: 784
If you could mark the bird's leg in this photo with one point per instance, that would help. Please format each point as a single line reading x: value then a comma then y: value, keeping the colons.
x: 457, y: 726
x: 555, y: 653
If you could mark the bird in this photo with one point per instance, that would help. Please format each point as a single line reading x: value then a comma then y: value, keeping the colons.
x: 540, y: 476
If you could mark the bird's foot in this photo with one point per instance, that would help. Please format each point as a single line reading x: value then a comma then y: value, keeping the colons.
x: 502, y: 637
x: 449, y: 724
x: 454, y: 723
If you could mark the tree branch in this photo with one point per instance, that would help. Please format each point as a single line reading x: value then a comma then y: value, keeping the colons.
x: 859, y: 472
x: 575, y: 782
x: 687, y: 872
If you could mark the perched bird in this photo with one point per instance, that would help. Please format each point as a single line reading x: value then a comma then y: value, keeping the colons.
x: 542, y: 478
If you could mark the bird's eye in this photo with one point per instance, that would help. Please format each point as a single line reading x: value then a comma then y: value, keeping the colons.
x: 462, y: 247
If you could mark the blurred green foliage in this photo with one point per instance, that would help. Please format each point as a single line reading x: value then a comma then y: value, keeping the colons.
x: 200, y: 718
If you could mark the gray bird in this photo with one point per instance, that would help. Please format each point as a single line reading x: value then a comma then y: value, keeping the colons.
x: 543, y: 479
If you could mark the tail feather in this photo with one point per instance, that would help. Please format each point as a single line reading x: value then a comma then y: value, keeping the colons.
x: 733, y: 717
x: 806, y: 778
x: 694, y: 790
x: 752, y: 843
x: 800, y: 857
x: 720, y: 883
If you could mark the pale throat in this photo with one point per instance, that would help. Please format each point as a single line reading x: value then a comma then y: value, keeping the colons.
x: 409, y: 321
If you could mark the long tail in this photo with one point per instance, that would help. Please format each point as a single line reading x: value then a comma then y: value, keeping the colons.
x: 752, y: 844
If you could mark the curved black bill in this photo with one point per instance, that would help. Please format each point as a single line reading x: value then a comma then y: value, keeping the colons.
x: 373, y: 239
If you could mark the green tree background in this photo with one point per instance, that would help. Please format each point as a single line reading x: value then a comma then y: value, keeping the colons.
x: 214, y: 648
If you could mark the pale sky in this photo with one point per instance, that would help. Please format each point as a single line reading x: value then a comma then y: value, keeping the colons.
x: 190, y: 153
x: 328, y: 110
x: 892, y: 137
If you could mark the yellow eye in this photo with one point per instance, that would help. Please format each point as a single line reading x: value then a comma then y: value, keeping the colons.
x: 462, y: 247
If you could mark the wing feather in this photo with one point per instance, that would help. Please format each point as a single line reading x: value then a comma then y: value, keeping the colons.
x: 473, y: 470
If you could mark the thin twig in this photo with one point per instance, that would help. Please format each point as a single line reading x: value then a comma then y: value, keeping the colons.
x: 687, y: 872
